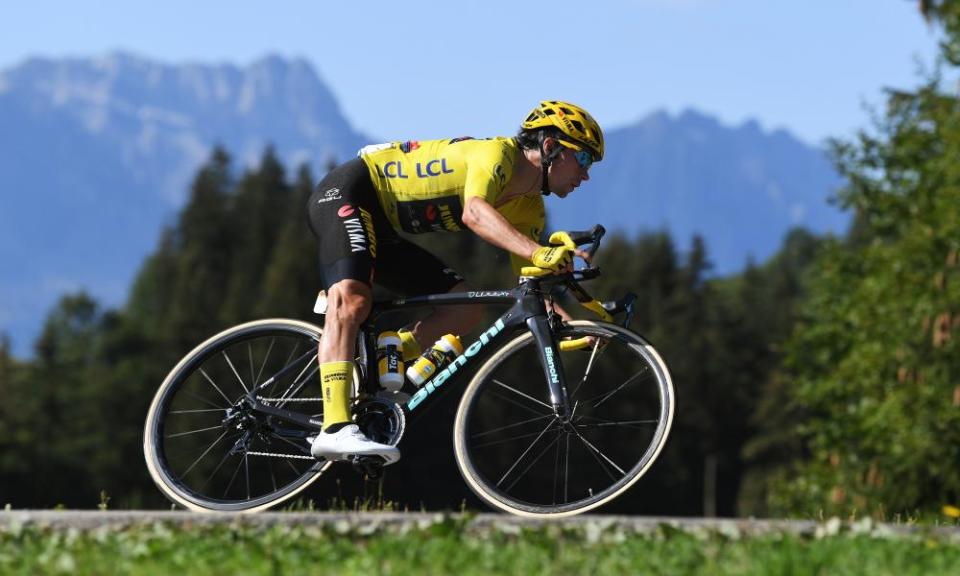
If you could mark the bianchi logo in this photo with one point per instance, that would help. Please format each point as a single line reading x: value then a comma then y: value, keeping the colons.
x: 331, y: 194
x: 455, y: 365
x: 551, y: 366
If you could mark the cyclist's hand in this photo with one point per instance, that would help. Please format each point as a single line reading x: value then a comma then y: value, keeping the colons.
x: 558, y: 256
x: 553, y: 258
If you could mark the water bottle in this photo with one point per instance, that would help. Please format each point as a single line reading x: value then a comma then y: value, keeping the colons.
x: 389, y: 361
x: 443, y: 351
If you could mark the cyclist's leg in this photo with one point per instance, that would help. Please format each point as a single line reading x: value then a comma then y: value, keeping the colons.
x: 340, y: 211
x: 410, y: 270
x: 447, y: 320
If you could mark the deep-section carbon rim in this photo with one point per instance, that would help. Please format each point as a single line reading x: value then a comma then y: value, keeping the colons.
x: 519, y: 457
x: 206, y: 449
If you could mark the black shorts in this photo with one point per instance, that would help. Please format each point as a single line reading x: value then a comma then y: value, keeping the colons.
x: 357, y: 241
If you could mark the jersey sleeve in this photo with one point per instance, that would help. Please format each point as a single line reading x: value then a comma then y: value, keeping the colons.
x: 488, y: 172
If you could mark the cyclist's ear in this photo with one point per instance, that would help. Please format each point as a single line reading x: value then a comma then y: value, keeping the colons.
x: 550, y: 144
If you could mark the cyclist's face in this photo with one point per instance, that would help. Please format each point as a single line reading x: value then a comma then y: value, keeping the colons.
x: 567, y: 172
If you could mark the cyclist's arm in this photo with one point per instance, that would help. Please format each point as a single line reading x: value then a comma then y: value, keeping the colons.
x: 484, y: 220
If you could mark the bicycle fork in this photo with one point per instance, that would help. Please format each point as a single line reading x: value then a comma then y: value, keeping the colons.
x: 548, y: 353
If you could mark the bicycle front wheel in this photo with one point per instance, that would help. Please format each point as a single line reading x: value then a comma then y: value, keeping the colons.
x: 517, y: 455
x: 207, y: 450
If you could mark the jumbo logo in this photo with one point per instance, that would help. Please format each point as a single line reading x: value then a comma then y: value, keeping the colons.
x: 446, y: 216
x: 395, y: 169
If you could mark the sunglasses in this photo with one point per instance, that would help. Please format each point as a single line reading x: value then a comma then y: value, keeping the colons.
x: 584, y: 158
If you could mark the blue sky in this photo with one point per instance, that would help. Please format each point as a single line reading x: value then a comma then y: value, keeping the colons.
x: 436, y: 69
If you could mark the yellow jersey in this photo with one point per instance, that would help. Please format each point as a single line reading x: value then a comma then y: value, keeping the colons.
x: 423, y: 186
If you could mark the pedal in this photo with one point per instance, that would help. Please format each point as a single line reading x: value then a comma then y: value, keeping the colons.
x: 369, y: 466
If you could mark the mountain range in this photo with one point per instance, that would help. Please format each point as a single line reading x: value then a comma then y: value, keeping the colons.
x: 96, y: 155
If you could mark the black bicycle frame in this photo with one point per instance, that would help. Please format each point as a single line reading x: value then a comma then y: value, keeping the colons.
x: 528, y: 311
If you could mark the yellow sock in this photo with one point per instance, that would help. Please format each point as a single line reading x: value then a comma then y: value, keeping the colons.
x: 409, y: 345
x: 335, y: 378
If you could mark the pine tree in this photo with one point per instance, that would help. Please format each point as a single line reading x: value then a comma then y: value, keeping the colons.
x: 204, y: 251
x: 258, y: 212
x: 292, y: 278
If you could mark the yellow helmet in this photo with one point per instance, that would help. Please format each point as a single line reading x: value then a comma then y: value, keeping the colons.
x: 577, y: 127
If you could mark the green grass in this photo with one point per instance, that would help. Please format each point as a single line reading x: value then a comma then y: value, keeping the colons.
x: 454, y: 547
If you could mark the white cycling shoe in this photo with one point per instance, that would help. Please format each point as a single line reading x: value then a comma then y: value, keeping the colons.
x: 349, y: 441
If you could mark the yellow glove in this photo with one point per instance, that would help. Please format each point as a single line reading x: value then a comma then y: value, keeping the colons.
x: 553, y: 258
x: 557, y: 256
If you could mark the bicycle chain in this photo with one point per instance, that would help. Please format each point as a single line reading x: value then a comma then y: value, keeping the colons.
x: 273, y: 455
x: 315, y: 399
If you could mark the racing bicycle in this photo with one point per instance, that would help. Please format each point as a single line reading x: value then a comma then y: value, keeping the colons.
x: 558, y: 418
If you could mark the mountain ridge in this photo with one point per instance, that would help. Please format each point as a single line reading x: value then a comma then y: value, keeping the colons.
x: 98, y: 154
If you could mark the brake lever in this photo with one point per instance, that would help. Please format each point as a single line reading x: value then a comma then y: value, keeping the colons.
x: 624, y: 304
x: 597, y: 233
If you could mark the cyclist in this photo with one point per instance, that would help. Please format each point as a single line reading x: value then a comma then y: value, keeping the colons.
x: 491, y: 187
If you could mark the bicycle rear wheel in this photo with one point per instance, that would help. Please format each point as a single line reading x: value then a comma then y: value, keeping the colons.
x: 515, y: 453
x: 206, y: 449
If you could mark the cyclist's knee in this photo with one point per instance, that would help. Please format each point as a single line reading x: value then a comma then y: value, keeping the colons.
x: 348, y: 302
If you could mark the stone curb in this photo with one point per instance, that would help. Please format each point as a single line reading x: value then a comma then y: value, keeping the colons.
x: 371, y: 522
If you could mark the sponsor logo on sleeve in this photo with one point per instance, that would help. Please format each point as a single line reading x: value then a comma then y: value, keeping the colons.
x: 360, y: 232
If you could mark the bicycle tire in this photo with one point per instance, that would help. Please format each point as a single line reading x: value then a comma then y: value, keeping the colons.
x: 495, y: 420
x: 157, y: 440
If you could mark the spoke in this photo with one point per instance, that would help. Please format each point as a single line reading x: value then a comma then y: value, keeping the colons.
x: 292, y: 392
x: 527, y: 396
x: 504, y: 440
x: 535, y: 460
x: 232, y: 478
x: 295, y: 445
x: 292, y: 467
x: 598, y: 454
x: 178, y: 434
x: 212, y: 383
x: 253, y: 378
x: 604, y: 397
x: 196, y: 411
x: 246, y: 467
x: 518, y: 404
x: 586, y: 373
x: 625, y: 423
x: 275, y: 379
x: 525, y: 452
x: 235, y: 373
x: 521, y: 423
x: 265, y: 358
x: 199, y: 458
x: 215, y: 470
x: 273, y: 479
